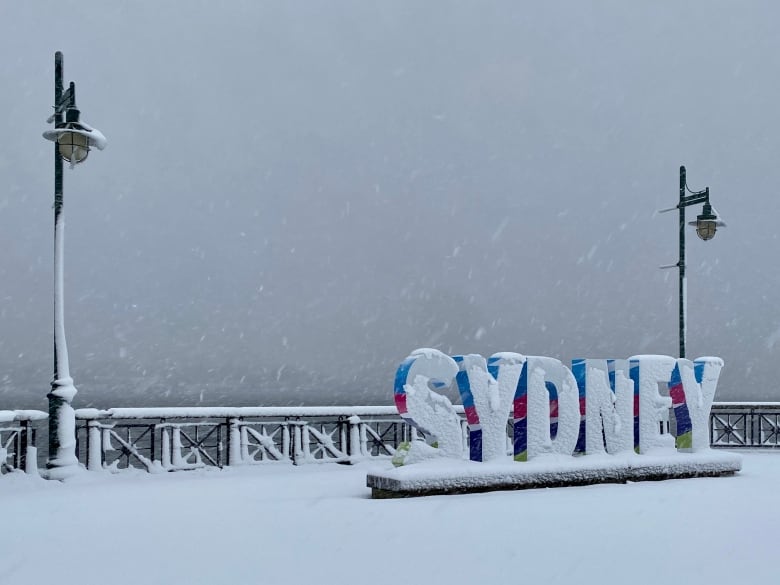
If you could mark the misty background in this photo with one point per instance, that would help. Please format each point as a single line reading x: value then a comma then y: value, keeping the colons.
x: 295, y: 195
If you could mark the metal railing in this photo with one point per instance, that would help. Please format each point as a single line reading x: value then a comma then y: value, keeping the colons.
x: 745, y: 424
x: 173, y: 439
x: 17, y: 440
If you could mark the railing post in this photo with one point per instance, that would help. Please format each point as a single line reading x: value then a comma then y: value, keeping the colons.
x: 755, y: 429
x: 235, y: 442
x: 365, y: 451
x: 27, y: 457
x: 245, y: 444
x: 152, y: 442
x: 165, y: 442
x: 286, y: 441
x: 105, y: 431
x: 20, y: 458
x: 31, y: 458
x: 305, y: 443
x: 176, y: 459
x: 344, y: 440
x: 94, y: 446
x: 357, y: 439
x: 300, y: 442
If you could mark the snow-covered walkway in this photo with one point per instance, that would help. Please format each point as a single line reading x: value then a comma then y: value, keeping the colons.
x: 280, y: 525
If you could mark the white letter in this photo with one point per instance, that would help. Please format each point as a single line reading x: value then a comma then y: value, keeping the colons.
x: 486, y: 390
x: 609, y: 396
x: 646, y: 372
x: 699, y: 381
x: 544, y: 370
x: 427, y: 410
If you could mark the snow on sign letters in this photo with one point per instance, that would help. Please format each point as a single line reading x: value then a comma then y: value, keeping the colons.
x: 645, y: 417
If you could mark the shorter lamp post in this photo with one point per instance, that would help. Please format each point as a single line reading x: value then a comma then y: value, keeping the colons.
x: 707, y: 223
x: 72, y: 142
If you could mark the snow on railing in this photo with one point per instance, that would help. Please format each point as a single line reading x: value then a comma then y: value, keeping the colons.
x: 17, y: 440
x: 234, y: 412
x: 171, y: 439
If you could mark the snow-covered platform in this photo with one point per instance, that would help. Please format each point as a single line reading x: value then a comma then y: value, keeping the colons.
x: 439, y: 477
x: 316, y: 525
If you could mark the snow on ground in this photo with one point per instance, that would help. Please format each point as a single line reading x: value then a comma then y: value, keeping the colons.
x: 316, y: 524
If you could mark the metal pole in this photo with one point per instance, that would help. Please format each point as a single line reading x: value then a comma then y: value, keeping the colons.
x: 681, y: 265
x: 62, y: 460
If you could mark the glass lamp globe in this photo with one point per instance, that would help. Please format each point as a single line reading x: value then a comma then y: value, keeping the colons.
x: 706, y: 228
x: 73, y: 145
x: 707, y: 223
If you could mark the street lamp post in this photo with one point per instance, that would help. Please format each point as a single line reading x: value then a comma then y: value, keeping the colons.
x: 72, y: 142
x: 706, y: 224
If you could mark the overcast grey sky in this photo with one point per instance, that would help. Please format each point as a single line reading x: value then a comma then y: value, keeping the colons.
x: 295, y: 195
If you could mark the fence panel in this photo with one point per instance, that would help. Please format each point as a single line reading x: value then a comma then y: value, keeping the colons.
x: 739, y: 425
x: 18, y: 434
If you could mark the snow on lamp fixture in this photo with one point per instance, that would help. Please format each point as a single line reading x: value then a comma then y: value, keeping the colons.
x: 75, y: 138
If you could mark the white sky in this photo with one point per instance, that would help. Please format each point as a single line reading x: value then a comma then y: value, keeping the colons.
x: 295, y: 195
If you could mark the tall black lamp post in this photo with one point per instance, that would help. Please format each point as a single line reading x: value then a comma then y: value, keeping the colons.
x: 706, y: 225
x: 73, y: 140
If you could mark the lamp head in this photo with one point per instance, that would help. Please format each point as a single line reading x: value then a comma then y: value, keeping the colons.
x: 74, y: 138
x: 707, y: 223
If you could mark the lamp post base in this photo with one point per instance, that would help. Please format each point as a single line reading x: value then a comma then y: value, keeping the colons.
x: 63, y: 461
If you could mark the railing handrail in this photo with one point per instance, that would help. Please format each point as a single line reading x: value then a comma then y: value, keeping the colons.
x: 188, y: 412
x: 746, y: 405
x: 22, y: 415
x: 235, y: 412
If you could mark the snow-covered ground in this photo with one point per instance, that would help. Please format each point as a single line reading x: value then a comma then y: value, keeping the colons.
x: 316, y: 524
